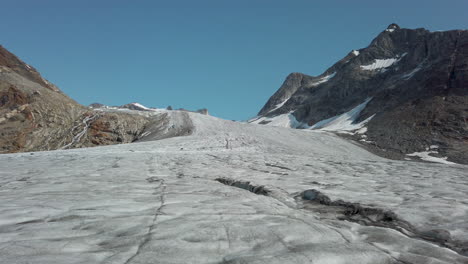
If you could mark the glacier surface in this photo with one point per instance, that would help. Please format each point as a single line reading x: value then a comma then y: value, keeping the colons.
x: 160, y: 202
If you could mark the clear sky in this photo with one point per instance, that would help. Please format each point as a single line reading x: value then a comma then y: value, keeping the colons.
x: 227, y: 56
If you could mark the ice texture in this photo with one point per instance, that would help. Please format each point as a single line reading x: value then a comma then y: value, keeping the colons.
x: 159, y: 201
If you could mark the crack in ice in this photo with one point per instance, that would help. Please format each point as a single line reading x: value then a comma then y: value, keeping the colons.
x: 153, y: 226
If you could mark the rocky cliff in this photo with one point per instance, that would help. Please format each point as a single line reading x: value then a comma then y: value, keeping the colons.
x: 414, y: 84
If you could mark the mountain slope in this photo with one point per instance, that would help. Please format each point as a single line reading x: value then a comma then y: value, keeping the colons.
x: 418, y: 85
x: 230, y: 193
x: 35, y: 115
x: 32, y: 111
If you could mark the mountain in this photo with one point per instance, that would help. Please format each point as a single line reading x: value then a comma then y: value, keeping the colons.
x: 35, y: 115
x: 406, y: 93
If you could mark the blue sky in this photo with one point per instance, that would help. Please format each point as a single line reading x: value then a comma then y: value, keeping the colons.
x: 227, y: 56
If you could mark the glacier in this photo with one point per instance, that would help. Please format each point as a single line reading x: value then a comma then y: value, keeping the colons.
x: 162, y: 201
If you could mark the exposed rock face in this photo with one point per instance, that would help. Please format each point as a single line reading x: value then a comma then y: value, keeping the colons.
x: 104, y: 128
x: 9, y: 62
x: 33, y: 112
x: 202, y: 111
x: 35, y: 115
x: 418, y: 82
x: 293, y: 82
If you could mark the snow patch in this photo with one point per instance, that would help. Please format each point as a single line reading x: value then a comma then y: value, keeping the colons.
x: 355, y: 52
x: 285, y: 120
x: 390, y: 30
x: 322, y: 80
x: 362, y: 131
x: 278, y: 105
x: 147, y: 133
x: 382, y: 63
x: 141, y: 106
x: 346, y: 121
x: 425, y: 155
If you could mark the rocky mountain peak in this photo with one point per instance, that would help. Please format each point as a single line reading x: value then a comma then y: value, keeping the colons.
x: 417, y: 80
x: 393, y: 26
